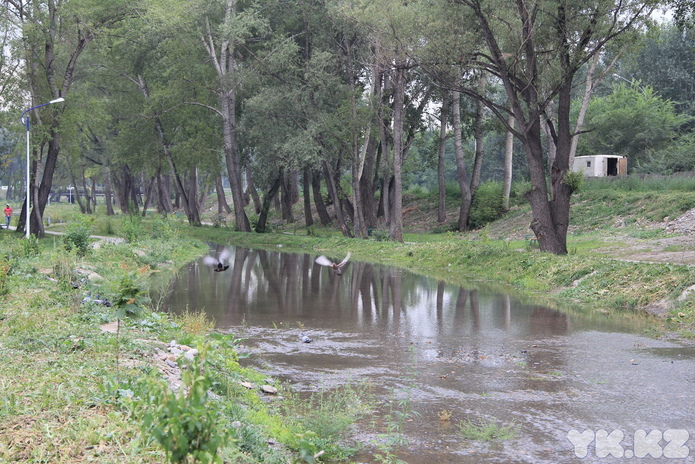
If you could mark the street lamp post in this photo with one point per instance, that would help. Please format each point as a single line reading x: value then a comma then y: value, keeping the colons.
x: 26, y: 123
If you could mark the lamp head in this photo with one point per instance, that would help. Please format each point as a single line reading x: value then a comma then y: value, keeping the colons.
x: 57, y: 100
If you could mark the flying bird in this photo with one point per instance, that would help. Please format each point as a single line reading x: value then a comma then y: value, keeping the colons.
x: 218, y: 264
x: 323, y: 261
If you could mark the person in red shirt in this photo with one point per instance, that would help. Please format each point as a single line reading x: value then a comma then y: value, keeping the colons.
x: 8, y: 215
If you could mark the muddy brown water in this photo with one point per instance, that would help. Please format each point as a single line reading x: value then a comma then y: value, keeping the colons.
x: 577, y: 386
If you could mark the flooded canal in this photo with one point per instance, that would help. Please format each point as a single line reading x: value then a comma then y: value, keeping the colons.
x: 577, y: 387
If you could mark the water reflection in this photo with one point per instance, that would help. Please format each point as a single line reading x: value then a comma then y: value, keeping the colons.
x: 261, y: 288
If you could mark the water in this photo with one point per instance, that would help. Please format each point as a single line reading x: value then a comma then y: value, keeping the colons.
x: 444, y: 349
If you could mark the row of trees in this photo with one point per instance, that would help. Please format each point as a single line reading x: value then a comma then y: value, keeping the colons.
x: 168, y: 99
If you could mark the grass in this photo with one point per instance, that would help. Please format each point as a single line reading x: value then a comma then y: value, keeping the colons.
x: 69, y: 391
x: 65, y: 385
x: 486, y: 430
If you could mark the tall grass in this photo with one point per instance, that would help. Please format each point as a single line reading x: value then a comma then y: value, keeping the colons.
x: 646, y: 183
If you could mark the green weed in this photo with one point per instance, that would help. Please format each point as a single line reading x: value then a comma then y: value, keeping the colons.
x: 486, y: 430
x: 186, y: 423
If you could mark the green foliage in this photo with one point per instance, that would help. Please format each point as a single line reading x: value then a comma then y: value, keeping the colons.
x: 487, y: 204
x: 5, y: 269
x: 486, y: 430
x: 328, y: 414
x: 631, y: 121
x: 185, y: 423
x: 105, y: 226
x: 161, y: 228
x: 380, y: 234
x: 130, y: 296
x: 77, y: 236
x: 132, y: 228
x: 574, y: 180
x: 29, y: 247
x: 677, y: 157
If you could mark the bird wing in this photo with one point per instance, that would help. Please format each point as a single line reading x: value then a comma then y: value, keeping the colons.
x: 343, y: 262
x: 225, y: 254
x: 323, y: 261
x: 209, y: 261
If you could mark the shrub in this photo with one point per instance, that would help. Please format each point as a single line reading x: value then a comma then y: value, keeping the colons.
x: 487, y: 204
x: 132, y: 228
x: 161, y: 228
x: 77, y: 236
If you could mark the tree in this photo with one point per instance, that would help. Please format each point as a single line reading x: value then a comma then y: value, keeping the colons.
x: 631, y: 121
x: 666, y: 63
x: 54, y: 36
x: 535, y: 49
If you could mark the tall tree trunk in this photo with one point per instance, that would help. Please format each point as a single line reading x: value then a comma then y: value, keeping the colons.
x: 150, y: 186
x: 108, y: 193
x: 337, y: 206
x: 508, y: 158
x: 461, y: 172
x: 222, y: 205
x: 306, y: 194
x: 87, y: 195
x: 441, y: 158
x: 267, y: 200
x: 396, y: 209
x: 479, y: 136
x: 223, y: 58
x: 321, y: 209
x: 164, y: 194
x: 370, y: 185
x: 78, y: 197
x: 251, y: 187
x: 286, y: 198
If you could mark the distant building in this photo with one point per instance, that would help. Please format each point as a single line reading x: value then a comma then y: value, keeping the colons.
x: 600, y: 165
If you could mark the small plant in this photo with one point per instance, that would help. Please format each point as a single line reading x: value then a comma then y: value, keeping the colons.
x: 486, y: 430
x: 5, y: 268
x: 64, y: 271
x: 195, y: 323
x: 161, y: 228
x: 574, y: 180
x: 444, y: 415
x: 219, y: 221
x: 77, y: 237
x: 132, y: 228
x: 129, y: 296
x: 185, y: 424
x: 380, y: 235
x: 29, y: 247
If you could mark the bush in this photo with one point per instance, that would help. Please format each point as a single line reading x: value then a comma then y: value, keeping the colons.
x: 77, y: 237
x: 161, y: 228
x: 487, y: 204
x: 132, y: 228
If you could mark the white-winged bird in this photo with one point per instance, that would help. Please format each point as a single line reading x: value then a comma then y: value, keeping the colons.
x: 218, y: 264
x: 323, y: 261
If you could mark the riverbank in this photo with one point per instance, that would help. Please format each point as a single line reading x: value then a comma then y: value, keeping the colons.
x: 92, y: 372
x: 72, y: 388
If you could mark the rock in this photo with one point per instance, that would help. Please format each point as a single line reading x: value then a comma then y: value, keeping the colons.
x: 269, y: 389
x: 111, y: 327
